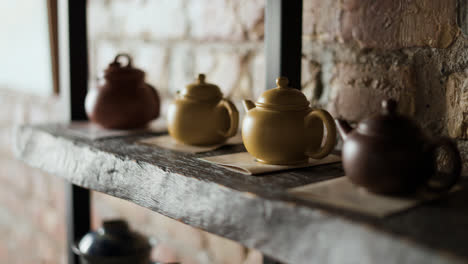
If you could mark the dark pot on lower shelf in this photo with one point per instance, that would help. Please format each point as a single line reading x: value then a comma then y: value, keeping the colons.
x: 114, y: 243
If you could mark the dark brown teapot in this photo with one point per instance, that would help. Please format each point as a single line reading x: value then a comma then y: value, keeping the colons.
x: 124, y: 101
x: 389, y: 154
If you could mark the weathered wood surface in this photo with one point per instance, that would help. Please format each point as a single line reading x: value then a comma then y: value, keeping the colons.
x: 254, y: 211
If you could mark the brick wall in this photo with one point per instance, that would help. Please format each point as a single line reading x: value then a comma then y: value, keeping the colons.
x: 413, y: 51
x: 174, y: 40
x: 32, y: 228
x: 354, y: 54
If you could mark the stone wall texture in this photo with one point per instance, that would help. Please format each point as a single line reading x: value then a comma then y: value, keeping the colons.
x: 355, y: 53
x: 32, y: 226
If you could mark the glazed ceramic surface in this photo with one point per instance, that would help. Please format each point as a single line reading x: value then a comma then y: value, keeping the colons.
x: 201, y: 116
x: 124, y: 100
x: 389, y: 153
x: 113, y: 243
x: 281, y: 128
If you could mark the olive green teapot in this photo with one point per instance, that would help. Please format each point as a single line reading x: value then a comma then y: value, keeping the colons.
x: 281, y: 128
x: 201, y: 116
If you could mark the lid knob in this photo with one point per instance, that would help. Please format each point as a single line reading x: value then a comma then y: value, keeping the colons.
x: 201, y: 78
x: 116, y: 62
x: 389, y: 106
x: 282, y: 82
x: 202, y: 90
x: 115, y: 226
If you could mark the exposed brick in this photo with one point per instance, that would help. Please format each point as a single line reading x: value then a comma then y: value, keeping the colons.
x: 4, y: 255
x: 110, y: 207
x: 400, y: 23
x: 8, y: 100
x: 258, y: 73
x: 26, y: 108
x: 311, y: 82
x: 164, y: 253
x: 56, y: 197
x: 383, y: 24
x: 47, y: 109
x: 221, y: 66
x: 158, y: 19
x: 23, y: 233
x: 251, y: 15
x: 181, y: 67
x: 226, y: 72
x: 189, y: 236
x: 253, y: 257
x: 173, y: 19
x: 319, y: 26
x: 47, y: 252
x: 39, y: 185
x: 214, y: 20
x: 457, y: 105
x: 225, y: 251
x: 143, y: 19
x: 152, y: 59
x: 16, y: 175
x: 52, y: 222
x: 19, y: 113
x: 358, y: 89
x: 6, y: 141
x: 243, y: 89
x: 12, y: 202
x: 99, y: 17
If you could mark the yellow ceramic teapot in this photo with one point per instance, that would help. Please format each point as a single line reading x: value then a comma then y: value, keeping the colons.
x: 201, y: 116
x: 281, y: 128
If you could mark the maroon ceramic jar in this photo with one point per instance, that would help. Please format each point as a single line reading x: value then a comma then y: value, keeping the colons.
x: 124, y: 100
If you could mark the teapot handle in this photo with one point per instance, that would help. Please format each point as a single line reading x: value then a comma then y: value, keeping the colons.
x: 233, y: 117
x: 127, y: 56
x: 452, y: 177
x: 330, y: 141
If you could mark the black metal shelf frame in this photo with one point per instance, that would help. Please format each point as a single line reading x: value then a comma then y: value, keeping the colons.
x: 283, y: 45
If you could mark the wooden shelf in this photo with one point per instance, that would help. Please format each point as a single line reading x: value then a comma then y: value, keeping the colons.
x: 254, y: 211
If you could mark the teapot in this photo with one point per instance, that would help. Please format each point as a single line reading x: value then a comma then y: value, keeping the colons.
x: 201, y: 116
x: 281, y: 128
x: 388, y: 153
x: 113, y: 243
x: 124, y: 100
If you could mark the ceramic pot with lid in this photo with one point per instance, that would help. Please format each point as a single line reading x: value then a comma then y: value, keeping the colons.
x: 124, y: 100
x: 201, y: 116
x: 281, y: 128
x: 389, y: 153
x: 114, y: 243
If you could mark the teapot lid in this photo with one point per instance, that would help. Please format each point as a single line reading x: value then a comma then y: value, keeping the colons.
x: 283, y: 97
x: 389, y: 123
x: 116, y: 70
x: 113, y: 239
x: 201, y: 90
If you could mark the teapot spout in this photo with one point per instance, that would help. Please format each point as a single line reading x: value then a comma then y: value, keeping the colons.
x: 343, y: 128
x: 248, y: 105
